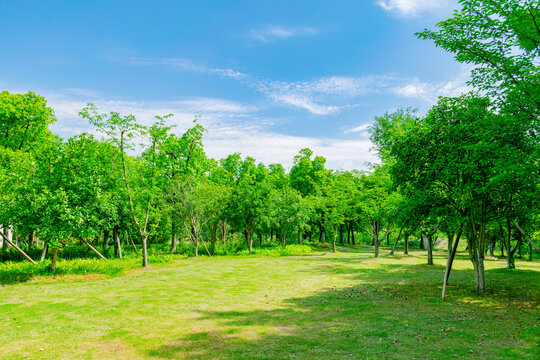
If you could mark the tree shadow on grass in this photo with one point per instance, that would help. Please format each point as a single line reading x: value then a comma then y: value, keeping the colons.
x: 392, y: 312
x: 9, y: 277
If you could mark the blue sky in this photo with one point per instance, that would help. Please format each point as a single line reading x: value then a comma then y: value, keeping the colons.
x: 266, y: 78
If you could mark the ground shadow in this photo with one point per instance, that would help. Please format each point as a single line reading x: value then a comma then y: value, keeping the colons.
x: 393, y: 311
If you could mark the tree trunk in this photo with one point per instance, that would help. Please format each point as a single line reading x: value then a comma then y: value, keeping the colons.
x: 510, y: 263
x: 105, y: 242
x: 451, y: 255
x: 395, y: 242
x: 45, y: 250
x: 476, y: 244
x: 132, y: 243
x: 173, y: 236
x: 429, y: 244
x: 324, y: 235
x: 519, y: 244
x: 118, y: 245
x: 376, y: 238
x: 196, y: 247
x: 93, y: 249
x: 300, y: 237
x: 352, y: 234
x: 478, y: 264
x: 271, y: 235
x: 54, y: 254
x: 144, y: 252
x: 406, y: 247
x: 348, y: 234
x: 8, y: 240
x: 334, y: 249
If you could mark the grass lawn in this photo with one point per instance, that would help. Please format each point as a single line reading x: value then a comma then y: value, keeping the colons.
x: 314, y: 306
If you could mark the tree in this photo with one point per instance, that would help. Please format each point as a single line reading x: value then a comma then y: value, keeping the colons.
x: 376, y: 199
x: 463, y: 163
x: 286, y: 213
x: 501, y: 38
x: 24, y: 120
x: 121, y: 131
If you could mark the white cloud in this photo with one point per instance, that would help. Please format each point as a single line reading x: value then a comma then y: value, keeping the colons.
x: 429, y: 92
x: 273, y: 33
x: 409, y: 8
x: 362, y: 129
x: 315, y: 95
x: 180, y: 63
x: 302, y: 101
x: 325, y: 95
x: 232, y: 127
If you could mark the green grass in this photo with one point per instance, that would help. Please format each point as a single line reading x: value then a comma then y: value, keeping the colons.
x: 312, y: 306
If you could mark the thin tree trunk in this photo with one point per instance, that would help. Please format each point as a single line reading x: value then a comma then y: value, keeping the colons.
x: 451, y: 255
x: 132, y: 243
x: 519, y: 245
x: 510, y: 263
x: 406, y: 247
x: 105, y: 242
x: 93, y: 249
x: 54, y: 254
x: 526, y: 236
x: 478, y: 264
x: 144, y: 252
x: 395, y: 242
x: 173, y: 235
x: 300, y: 235
x: 45, y: 250
x: 341, y: 234
x: 118, y: 245
x: 17, y: 248
x: 352, y: 233
x: 429, y: 244
x: 376, y: 238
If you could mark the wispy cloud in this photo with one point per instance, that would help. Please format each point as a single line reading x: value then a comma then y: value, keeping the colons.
x: 274, y: 33
x: 409, y: 8
x: 232, y: 127
x: 363, y: 129
x: 303, y: 101
x: 179, y: 63
x: 321, y: 96
x: 429, y: 92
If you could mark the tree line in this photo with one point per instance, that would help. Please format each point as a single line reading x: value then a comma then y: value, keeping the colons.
x: 467, y: 169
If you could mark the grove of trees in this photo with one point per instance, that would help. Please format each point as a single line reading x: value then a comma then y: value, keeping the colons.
x: 468, y: 169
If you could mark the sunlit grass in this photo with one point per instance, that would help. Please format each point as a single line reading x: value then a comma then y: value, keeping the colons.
x: 314, y: 306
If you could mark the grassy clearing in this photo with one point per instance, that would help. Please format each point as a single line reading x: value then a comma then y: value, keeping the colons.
x: 319, y: 305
